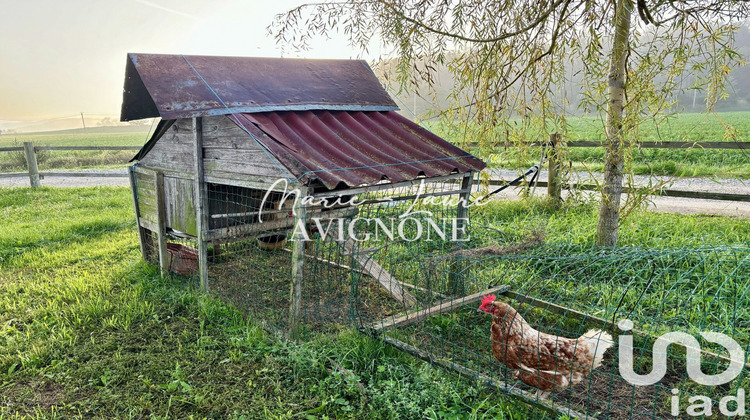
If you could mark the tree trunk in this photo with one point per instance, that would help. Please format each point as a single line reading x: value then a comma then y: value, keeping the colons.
x: 609, y: 213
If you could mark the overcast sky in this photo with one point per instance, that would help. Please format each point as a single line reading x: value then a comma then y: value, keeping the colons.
x: 61, y: 57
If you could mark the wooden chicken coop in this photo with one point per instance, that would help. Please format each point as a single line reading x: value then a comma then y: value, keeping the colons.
x: 237, y: 134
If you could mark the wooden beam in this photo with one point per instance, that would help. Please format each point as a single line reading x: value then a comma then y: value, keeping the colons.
x: 298, y: 262
x: 514, y: 391
x: 386, y: 186
x: 201, y: 208
x: 148, y: 225
x: 139, y: 228
x: 416, y: 316
x: 88, y: 148
x: 161, y: 225
x: 665, y: 193
x: 92, y: 174
x: 390, y: 284
x: 727, y: 145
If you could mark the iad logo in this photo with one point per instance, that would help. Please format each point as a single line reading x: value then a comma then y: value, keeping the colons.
x: 701, y: 405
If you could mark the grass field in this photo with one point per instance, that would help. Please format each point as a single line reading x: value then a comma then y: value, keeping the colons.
x: 683, y: 127
x: 15, y: 161
x: 670, y: 162
x: 87, y: 330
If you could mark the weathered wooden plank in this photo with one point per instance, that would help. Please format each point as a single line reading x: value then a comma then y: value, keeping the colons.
x: 248, y: 230
x: 15, y: 174
x: 240, y: 169
x: 182, y: 173
x: 257, y: 157
x: 146, y: 199
x: 147, y: 211
x: 246, y: 181
x: 173, y: 151
x: 87, y: 148
x: 673, y: 145
x: 380, y: 274
x: 141, y: 233
x: 92, y: 174
x: 239, y: 141
x: 180, y: 204
x: 161, y: 225
x: 216, y: 170
x: 228, y: 234
x: 175, y: 160
x: 148, y: 224
x: 728, y: 145
x: 143, y: 171
x: 11, y: 149
x: 388, y: 186
x: 416, y: 316
x: 666, y: 193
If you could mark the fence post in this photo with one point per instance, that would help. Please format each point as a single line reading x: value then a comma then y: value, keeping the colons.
x: 201, y: 203
x: 554, y: 189
x: 28, y: 148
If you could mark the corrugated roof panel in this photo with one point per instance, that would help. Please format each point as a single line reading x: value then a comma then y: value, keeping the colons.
x: 176, y: 86
x: 356, y: 148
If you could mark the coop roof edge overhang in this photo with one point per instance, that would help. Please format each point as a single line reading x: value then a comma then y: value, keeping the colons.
x: 177, y: 86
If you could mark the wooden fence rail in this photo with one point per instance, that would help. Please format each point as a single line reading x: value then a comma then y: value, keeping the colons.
x: 554, y: 186
x: 33, y: 171
x: 726, y: 145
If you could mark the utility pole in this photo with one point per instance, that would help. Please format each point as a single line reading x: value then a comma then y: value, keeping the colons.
x: 83, y: 121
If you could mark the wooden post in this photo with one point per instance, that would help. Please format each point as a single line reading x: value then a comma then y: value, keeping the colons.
x: 298, y: 261
x: 201, y: 208
x: 456, y: 284
x: 161, y: 217
x: 28, y: 147
x: 554, y: 188
x: 141, y: 231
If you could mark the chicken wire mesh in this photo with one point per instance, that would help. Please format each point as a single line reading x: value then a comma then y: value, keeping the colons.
x: 565, y: 292
x: 253, y: 257
x: 408, y: 274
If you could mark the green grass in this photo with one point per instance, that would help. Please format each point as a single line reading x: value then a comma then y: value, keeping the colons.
x: 575, y: 224
x: 88, y: 330
x: 671, y: 162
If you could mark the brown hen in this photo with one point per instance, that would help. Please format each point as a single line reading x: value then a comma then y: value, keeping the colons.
x: 543, y: 361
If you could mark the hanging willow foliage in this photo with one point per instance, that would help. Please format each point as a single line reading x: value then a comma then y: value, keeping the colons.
x: 515, y: 64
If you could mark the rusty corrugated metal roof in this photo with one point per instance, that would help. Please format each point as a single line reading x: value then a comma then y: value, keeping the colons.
x: 176, y: 86
x: 355, y: 148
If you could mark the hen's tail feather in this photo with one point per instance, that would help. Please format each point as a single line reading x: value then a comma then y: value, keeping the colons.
x: 599, y: 342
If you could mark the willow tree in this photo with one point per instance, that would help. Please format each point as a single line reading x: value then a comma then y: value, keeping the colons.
x: 515, y: 63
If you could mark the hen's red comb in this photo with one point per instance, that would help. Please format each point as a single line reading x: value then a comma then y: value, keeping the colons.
x: 488, y: 299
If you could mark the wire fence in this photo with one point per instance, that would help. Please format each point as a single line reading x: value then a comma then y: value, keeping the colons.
x: 398, y: 264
